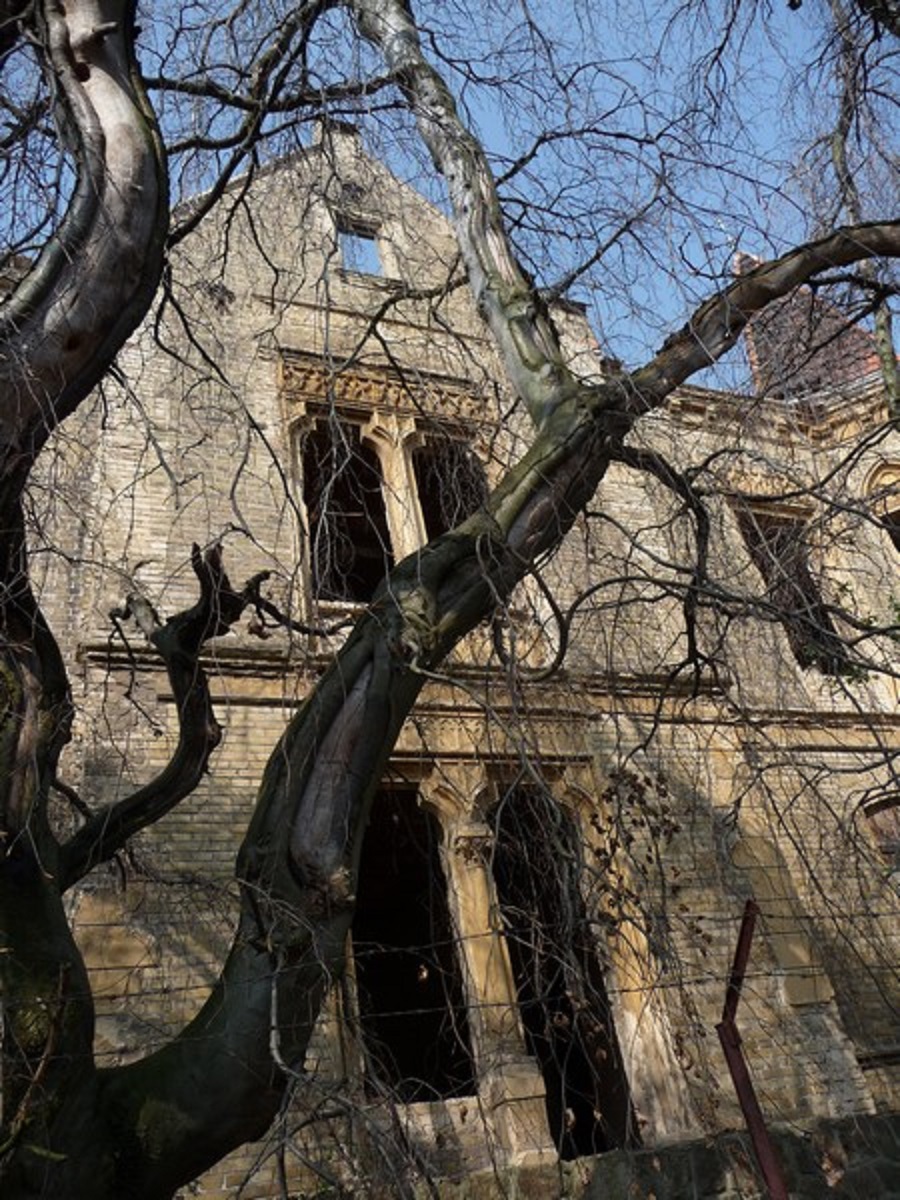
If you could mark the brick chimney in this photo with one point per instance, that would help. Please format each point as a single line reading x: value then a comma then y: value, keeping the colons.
x: 804, y: 344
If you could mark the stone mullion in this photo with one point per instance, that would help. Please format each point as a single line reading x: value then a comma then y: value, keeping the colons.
x: 510, y: 1085
x: 387, y: 434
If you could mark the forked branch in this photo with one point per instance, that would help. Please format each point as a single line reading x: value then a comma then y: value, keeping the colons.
x: 179, y: 642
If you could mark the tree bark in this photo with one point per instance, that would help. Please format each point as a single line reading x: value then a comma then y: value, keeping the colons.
x: 59, y: 331
x: 68, y: 318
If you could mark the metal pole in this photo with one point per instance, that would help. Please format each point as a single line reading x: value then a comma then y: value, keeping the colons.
x: 769, y: 1165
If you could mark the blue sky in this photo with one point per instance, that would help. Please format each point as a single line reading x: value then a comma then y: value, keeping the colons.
x: 669, y: 146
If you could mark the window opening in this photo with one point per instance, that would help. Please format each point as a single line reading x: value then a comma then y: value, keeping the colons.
x: 350, y: 548
x: 359, y: 250
x: 778, y: 547
x: 891, y: 522
x: 559, y: 979
x: 450, y: 483
x: 884, y: 821
x: 412, y: 1014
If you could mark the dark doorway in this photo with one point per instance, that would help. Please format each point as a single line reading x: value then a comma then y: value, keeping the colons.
x: 561, y: 990
x: 411, y: 1008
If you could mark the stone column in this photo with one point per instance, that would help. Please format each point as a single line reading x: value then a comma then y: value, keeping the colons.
x: 510, y: 1084
x: 643, y: 1025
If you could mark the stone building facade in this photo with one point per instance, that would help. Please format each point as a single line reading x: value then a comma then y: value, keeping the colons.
x: 558, y: 861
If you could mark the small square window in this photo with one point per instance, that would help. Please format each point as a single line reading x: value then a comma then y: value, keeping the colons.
x: 359, y: 251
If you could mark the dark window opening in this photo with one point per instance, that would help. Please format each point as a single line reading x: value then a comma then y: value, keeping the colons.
x: 778, y: 548
x: 891, y: 522
x: 359, y: 250
x: 561, y: 989
x: 412, y: 1013
x: 450, y: 483
x: 884, y: 822
x: 350, y: 548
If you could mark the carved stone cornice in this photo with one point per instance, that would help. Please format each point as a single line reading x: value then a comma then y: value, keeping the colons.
x: 307, y: 382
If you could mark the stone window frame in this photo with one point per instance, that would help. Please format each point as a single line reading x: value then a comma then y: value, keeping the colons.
x: 510, y: 1090
x: 368, y: 401
x: 883, y: 826
x: 436, y: 434
x: 570, y: 1072
x: 357, y: 224
x: 882, y: 492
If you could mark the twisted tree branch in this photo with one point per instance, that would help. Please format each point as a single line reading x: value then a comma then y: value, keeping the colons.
x: 66, y: 320
x: 179, y: 642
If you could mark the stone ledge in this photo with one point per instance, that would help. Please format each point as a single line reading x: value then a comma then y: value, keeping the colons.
x: 857, y: 1158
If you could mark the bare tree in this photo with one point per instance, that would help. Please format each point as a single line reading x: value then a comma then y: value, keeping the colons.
x: 88, y: 246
